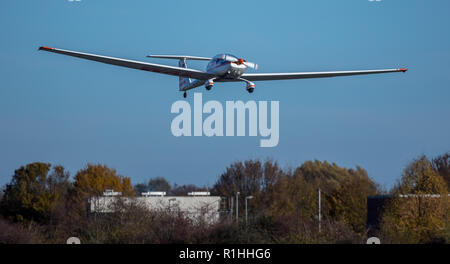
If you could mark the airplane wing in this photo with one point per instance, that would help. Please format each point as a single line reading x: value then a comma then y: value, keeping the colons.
x: 165, y: 69
x: 305, y: 75
x: 179, y: 57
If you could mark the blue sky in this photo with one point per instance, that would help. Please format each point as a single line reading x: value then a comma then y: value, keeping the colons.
x: 69, y: 111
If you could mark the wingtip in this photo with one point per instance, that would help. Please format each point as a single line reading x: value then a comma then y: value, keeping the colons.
x: 403, y: 69
x: 45, y: 48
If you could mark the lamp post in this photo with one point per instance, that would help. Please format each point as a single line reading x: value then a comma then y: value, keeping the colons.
x: 319, y: 214
x: 237, y: 207
x: 246, y: 211
x: 231, y: 209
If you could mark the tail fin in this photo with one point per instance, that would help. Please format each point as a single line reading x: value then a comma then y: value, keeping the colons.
x: 184, y: 81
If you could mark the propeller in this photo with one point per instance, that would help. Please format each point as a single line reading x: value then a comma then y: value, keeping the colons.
x: 251, y: 65
x: 242, y: 61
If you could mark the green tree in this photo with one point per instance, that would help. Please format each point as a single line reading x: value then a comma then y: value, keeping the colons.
x: 250, y: 178
x: 418, y: 211
x: 140, y: 188
x: 344, y: 191
x: 442, y: 166
x: 244, y: 177
x: 348, y: 202
x: 158, y: 184
x: 32, y: 193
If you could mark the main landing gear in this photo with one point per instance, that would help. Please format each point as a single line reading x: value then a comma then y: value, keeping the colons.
x: 185, y: 94
x: 250, y: 86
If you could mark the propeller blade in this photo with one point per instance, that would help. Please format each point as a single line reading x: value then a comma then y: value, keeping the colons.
x: 251, y: 65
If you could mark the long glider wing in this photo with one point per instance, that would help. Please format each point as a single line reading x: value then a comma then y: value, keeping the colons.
x: 305, y: 75
x: 164, y: 69
x: 179, y: 57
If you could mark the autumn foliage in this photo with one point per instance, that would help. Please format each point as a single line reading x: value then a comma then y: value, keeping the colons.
x: 43, y: 204
x: 95, y: 179
x: 419, y: 210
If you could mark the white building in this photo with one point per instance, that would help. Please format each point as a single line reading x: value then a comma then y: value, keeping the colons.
x: 196, y: 206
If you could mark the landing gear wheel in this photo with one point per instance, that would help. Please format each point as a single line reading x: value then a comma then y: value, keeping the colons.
x: 185, y: 94
x: 250, y: 90
x: 208, y: 88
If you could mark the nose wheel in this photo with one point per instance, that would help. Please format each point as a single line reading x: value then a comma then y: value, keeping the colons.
x: 250, y: 90
x: 185, y: 95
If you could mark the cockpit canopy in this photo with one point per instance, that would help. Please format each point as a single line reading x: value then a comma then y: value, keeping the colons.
x: 227, y: 57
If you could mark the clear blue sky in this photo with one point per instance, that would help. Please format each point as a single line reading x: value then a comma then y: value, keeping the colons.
x: 68, y: 111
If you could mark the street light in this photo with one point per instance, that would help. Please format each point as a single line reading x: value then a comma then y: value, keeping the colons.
x: 319, y: 215
x: 246, y: 212
x: 237, y: 207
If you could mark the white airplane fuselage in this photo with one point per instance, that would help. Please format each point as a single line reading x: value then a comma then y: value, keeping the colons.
x: 224, y: 69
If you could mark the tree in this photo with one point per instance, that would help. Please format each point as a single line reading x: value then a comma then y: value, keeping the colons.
x: 141, y: 187
x: 240, y: 177
x: 348, y: 202
x: 344, y: 191
x: 13, y: 233
x: 185, y: 189
x: 250, y: 178
x: 158, y: 184
x: 442, y: 165
x: 32, y: 194
x: 93, y: 180
x: 418, y: 211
